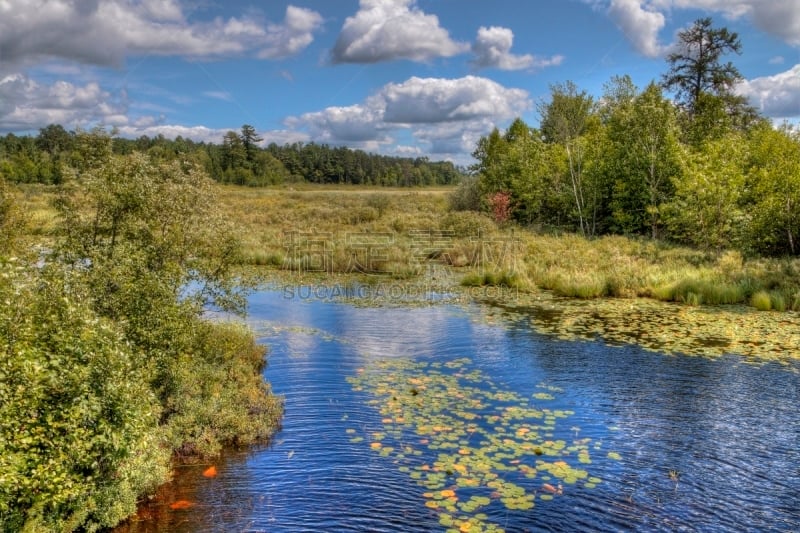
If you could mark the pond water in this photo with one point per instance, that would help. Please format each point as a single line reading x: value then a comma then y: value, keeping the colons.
x: 429, y: 418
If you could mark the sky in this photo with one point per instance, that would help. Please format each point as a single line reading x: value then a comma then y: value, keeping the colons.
x: 417, y: 78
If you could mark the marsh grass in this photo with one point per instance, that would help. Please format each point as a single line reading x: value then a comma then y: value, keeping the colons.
x: 761, y: 301
x: 471, y: 244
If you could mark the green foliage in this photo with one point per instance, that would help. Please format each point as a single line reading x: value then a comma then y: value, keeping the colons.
x: 236, y: 159
x: 566, y: 120
x: 218, y: 395
x: 79, y: 436
x: 644, y: 160
x: 706, y: 210
x: 695, y: 67
x: 11, y: 220
x: 774, y: 183
x: 108, y: 366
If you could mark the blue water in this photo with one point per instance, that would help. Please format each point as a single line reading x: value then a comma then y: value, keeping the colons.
x: 729, y: 429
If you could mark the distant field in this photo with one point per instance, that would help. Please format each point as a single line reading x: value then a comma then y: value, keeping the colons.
x: 566, y: 264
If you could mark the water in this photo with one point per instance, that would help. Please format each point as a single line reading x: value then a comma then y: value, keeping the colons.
x: 703, y: 444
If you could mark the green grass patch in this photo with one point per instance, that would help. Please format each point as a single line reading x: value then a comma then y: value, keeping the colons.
x: 761, y: 301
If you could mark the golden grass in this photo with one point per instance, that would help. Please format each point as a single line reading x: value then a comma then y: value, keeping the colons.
x: 397, y: 231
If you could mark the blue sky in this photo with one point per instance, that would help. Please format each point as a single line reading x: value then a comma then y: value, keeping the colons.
x: 399, y: 77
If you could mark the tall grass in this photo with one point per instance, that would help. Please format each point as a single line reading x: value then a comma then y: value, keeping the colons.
x: 473, y: 245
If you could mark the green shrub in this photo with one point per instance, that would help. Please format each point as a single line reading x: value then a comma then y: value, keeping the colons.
x: 761, y: 301
x: 218, y: 396
x: 79, y: 436
x: 506, y: 279
x: 467, y: 196
x: 11, y: 220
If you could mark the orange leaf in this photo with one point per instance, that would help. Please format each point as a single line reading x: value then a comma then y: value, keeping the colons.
x: 180, y: 504
x: 211, y: 471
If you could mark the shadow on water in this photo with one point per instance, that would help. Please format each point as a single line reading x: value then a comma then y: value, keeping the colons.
x: 668, y: 442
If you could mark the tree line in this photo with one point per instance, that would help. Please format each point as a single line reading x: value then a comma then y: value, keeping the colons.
x: 703, y: 169
x: 239, y: 159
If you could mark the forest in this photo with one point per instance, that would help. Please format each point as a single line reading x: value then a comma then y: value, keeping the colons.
x: 703, y: 169
x: 239, y: 159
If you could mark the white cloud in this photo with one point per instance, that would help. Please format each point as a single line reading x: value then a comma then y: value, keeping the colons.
x: 384, y: 30
x: 104, y: 32
x: 26, y: 104
x: 640, y: 24
x: 293, y: 36
x: 454, y: 139
x: 433, y: 100
x: 170, y: 131
x: 492, y: 49
x: 777, y: 17
x: 777, y: 60
x: 355, y: 123
x: 776, y: 96
x: 447, y: 116
x: 643, y: 20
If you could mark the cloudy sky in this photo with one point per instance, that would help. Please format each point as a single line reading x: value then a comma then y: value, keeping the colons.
x: 400, y: 77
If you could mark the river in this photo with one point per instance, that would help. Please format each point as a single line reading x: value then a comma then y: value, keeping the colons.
x: 435, y: 417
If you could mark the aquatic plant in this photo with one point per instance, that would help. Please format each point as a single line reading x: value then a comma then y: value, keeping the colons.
x: 473, y: 447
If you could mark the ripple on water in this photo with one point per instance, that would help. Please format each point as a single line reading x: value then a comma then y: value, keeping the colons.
x: 729, y: 431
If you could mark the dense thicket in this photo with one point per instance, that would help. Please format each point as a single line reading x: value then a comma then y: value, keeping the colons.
x: 107, y: 367
x: 703, y: 170
x: 238, y: 159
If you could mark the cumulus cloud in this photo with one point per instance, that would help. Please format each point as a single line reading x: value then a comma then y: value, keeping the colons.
x: 777, y: 17
x: 355, y: 123
x: 384, y: 30
x: 776, y: 96
x: 643, y: 20
x: 26, y: 104
x: 293, y: 36
x: 146, y: 126
x: 492, y: 49
x: 426, y: 100
x: 446, y: 115
x: 170, y: 131
x: 640, y: 24
x: 103, y: 32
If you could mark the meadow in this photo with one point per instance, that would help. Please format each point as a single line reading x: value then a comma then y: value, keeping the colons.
x: 409, y: 228
x: 398, y: 233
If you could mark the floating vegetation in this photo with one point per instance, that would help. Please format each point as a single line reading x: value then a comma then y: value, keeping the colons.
x: 473, y: 447
x: 658, y: 326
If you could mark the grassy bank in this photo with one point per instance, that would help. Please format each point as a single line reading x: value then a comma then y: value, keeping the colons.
x: 480, y: 252
x: 414, y: 228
